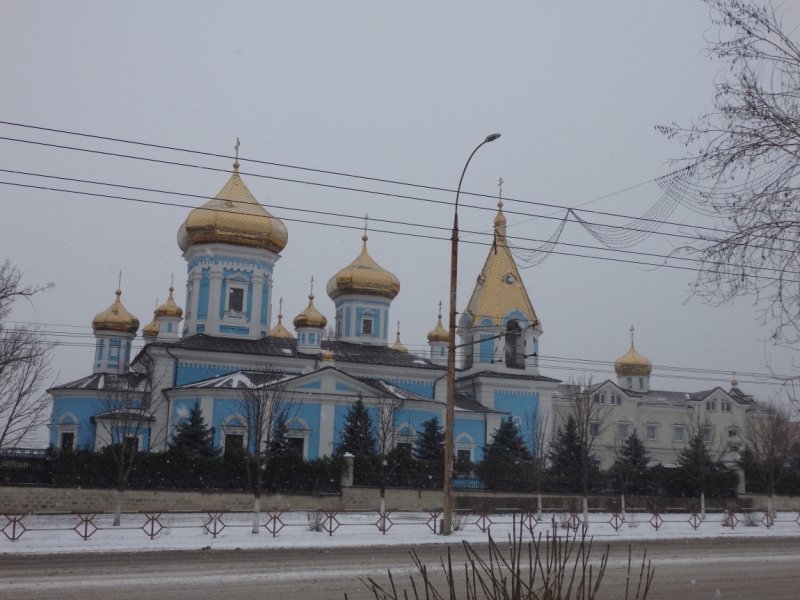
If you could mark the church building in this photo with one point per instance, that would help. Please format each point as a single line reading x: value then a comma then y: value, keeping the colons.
x: 226, y: 340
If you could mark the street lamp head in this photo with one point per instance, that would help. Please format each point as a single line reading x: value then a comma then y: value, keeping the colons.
x: 491, y: 138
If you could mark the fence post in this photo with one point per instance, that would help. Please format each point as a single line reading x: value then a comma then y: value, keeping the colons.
x: 347, y: 472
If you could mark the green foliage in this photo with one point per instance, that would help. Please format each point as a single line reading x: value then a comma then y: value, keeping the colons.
x: 630, y: 467
x: 567, y: 456
x: 279, y: 446
x: 358, y: 435
x: 430, y: 441
x: 696, y: 462
x: 194, y: 436
x: 507, y: 445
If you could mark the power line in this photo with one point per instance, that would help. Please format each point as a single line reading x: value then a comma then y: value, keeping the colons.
x: 394, y: 195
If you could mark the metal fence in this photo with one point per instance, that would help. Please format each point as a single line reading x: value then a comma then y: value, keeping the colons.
x: 221, y: 477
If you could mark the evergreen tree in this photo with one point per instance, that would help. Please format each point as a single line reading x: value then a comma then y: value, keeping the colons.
x: 696, y: 462
x: 279, y: 446
x: 507, y: 444
x: 566, y: 458
x: 358, y: 435
x: 193, y: 435
x: 633, y: 454
x: 430, y: 441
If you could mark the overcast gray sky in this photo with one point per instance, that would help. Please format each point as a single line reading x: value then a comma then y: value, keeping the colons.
x: 401, y: 91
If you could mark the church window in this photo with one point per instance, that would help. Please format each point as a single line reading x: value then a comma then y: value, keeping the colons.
x: 131, y: 443
x: 366, y: 326
x: 630, y: 383
x: 651, y: 432
x: 623, y: 430
x: 463, y: 456
x: 113, y: 350
x: 189, y: 302
x: 68, y: 441
x: 234, y: 442
x: 510, y: 279
x: 236, y: 299
x: 296, y: 444
x: 711, y: 405
x: 708, y: 433
x: 616, y: 400
x: 726, y: 406
x: 599, y: 398
x: 677, y: 434
x: 594, y: 429
x: 732, y: 433
x: 641, y: 383
x: 515, y: 346
x: 339, y: 326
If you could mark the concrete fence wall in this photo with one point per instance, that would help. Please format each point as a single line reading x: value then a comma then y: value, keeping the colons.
x: 23, y: 499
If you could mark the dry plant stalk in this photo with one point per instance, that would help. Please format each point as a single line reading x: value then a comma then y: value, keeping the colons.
x: 552, y: 568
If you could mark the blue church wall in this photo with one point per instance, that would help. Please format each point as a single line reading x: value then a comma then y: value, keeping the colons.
x: 423, y: 388
x: 191, y: 372
x: 415, y: 418
x: 82, y: 409
x: 524, y: 405
x: 474, y: 428
x: 310, y: 413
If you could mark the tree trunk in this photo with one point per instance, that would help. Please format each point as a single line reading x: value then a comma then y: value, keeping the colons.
x: 585, y: 513
x: 703, y: 505
x: 622, y: 505
x: 118, y: 509
x: 383, y: 499
x: 256, y: 513
x: 539, y: 505
x: 772, y: 505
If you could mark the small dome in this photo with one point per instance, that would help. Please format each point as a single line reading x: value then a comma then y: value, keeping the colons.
x: 364, y: 277
x: 169, y: 308
x: 633, y: 364
x: 116, y: 318
x: 327, y: 356
x: 150, y: 331
x: 398, y: 345
x: 310, y: 317
x: 279, y: 331
x: 233, y: 216
x: 439, y: 333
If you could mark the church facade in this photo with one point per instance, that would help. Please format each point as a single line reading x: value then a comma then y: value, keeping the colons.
x: 226, y: 341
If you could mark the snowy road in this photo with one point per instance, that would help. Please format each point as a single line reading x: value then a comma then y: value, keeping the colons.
x: 727, y: 567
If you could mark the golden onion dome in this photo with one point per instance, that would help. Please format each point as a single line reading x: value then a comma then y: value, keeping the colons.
x: 439, y: 333
x: 150, y: 331
x: 169, y: 308
x: 310, y: 317
x: 327, y: 356
x: 279, y: 331
x: 116, y: 318
x: 364, y: 277
x: 633, y: 364
x: 398, y: 345
x: 233, y: 216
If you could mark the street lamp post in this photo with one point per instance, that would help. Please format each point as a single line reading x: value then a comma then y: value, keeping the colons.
x: 451, y: 360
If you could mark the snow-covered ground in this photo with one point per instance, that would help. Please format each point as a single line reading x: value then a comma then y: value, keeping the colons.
x: 46, y: 534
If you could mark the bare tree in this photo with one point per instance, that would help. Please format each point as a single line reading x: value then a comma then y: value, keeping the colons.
x: 24, y: 365
x: 703, y: 453
x: 768, y: 434
x: 540, y: 434
x: 745, y: 165
x: 386, y: 430
x: 263, y: 406
x: 591, y: 420
x: 128, y: 427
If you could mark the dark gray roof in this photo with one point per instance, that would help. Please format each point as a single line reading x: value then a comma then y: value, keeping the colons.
x: 653, y: 397
x: 466, y: 402
x: 496, y: 375
x: 134, y: 382
x: 238, y: 380
x: 287, y: 348
x: 395, y: 391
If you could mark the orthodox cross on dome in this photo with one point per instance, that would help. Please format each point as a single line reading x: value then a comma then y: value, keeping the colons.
x: 440, y: 309
x: 366, y: 222
x: 236, y: 160
x: 500, y: 193
x: 398, y: 328
x: 632, y: 336
x: 312, y: 286
x: 119, y: 281
x: 280, y: 307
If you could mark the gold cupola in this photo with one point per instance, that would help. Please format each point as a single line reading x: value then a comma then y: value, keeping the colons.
x: 235, y: 217
x: 150, y: 331
x: 439, y: 333
x: 363, y: 277
x: 633, y: 364
x: 279, y: 331
x: 116, y: 318
x: 170, y: 308
x: 398, y: 345
x: 310, y: 317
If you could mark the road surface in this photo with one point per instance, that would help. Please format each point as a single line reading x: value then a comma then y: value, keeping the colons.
x: 686, y: 569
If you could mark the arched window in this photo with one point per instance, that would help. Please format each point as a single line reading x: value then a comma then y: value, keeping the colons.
x: 515, y: 346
